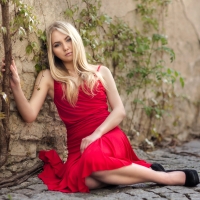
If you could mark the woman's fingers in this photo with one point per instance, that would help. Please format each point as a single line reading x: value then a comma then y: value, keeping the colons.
x: 14, y: 65
x: 12, y: 68
x: 84, y: 144
x: 3, y: 64
x: 14, y: 72
x: 14, y: 76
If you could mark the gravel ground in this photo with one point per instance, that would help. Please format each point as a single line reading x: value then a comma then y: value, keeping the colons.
x: 186, y: 156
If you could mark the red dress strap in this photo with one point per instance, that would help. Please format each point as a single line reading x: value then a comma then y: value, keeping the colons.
x: 98, y: 67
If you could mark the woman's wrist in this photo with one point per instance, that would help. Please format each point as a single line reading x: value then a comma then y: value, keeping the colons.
x: 16, y: 89
x: 16, y: 86
x: 98, y: 132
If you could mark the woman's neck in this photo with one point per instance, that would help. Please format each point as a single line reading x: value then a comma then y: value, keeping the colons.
x: 69, y: 65
x: 70, y: 69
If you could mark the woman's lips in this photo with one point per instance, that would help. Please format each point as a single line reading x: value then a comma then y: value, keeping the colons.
x: 68, y: 54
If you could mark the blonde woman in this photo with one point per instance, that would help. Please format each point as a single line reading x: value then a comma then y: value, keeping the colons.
x: 99, y: 153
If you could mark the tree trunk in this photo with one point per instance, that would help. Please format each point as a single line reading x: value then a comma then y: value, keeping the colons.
x: 5, y: 132
x: 21, y: 176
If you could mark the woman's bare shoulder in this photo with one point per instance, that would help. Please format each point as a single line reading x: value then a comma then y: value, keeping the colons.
x: 100, y: 68
x: 45, y: 75
x: 105, y: 71
x: 44, y: 78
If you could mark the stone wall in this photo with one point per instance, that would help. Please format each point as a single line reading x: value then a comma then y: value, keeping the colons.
x: 183, y: 30
x: 181, y: 25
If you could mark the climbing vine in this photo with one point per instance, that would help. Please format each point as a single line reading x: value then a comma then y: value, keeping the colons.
x: 18, y: 21
x: 139, y: 59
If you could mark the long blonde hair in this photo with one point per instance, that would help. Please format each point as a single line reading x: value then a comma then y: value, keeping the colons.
x: 87, y: 74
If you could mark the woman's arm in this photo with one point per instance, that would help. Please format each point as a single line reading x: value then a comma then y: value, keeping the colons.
x: 115, y: 117
x: 118, y: 112
x: 30, y: 109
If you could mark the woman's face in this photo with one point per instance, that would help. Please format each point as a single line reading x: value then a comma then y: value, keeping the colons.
x: 62, y: 46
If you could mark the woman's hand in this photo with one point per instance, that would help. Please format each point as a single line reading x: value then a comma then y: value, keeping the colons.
x: 14, y: 77
x: 88, y: 140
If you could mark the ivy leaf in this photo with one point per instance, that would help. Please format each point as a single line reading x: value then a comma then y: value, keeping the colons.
x: 21, y: 31
x: 29, y: 49
x: 4, y: 1
x: 107, y: 19
x: 182, y: 81
x: 169, y: 71
x: 3, y: 30
x: 136, y: 101
x: 159, y: 37
x: 38, y: 67
x: 43, y: 38
x: 169, y: 51
x: 2, y: 115
x: 176, y: 73
x: 4, y: 95
x: 69, y: 13
x: 148, y: 110
x: 115, y: 55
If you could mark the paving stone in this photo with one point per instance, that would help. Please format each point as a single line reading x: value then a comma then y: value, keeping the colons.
x: 119, y: 195
x: 38, y: 187
x: 194, y: 196
x: 27, y: 192
x: 25, y: 184
x: 54, y: 196
x: 14, y: 196
x: 197, y: 188
x: 34, y: 189
x: 141, y: 193
x: 82, y: 195
x: 102, y: 192
x: 160, y: 198
x: 4, y: 190
x: 174, y: 196
x: 35, y: 180
x: 160, y: 190
x: 144, y: 185
x: 101, y: 198
x: 186, y: 191
x: 22, y: 185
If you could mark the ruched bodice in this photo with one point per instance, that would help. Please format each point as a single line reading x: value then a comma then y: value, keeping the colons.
x: 85, y: 117
x: 109, y: 152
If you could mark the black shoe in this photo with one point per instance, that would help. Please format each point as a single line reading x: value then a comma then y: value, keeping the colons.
x: 157, y: 167
x: 192, y: 177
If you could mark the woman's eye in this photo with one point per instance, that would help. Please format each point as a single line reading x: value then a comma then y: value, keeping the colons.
x: 68, y: 39
x: 56, y: 45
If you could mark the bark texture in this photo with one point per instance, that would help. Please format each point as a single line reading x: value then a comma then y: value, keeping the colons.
x: 21, y: 177
x: 4, y: 129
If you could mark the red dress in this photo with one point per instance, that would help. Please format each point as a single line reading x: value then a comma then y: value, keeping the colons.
x: 109, y: 152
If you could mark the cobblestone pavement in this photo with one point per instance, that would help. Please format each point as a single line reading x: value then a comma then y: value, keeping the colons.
x: 186, y: 156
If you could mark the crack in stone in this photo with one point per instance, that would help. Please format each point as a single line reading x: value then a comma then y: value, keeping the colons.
x: 184, y: 153
x: 192, y: 24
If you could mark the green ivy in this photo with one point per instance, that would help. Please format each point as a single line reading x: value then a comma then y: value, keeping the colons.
x: 137, y: 58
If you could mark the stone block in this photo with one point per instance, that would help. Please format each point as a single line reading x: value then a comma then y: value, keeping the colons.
x: 17, y: 149
x: 32, y: 131
x: 28, y: 66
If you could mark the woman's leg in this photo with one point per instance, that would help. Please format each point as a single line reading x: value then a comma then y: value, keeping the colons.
x: 93, y: 183
x: 138, y: 174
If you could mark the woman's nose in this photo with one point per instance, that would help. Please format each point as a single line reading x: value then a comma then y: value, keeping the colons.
x: 65, y: 46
